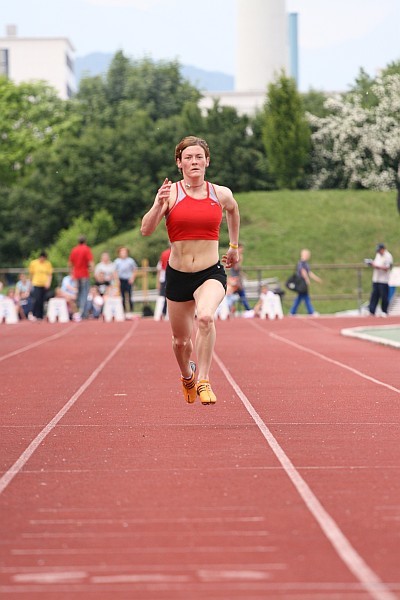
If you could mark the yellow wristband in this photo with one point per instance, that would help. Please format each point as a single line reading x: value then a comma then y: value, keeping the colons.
x: 234, y: 246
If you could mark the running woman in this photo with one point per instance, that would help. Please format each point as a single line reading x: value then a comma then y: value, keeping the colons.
x: 195, y: 277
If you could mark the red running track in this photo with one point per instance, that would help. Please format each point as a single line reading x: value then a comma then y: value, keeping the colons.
x: 113, y: 488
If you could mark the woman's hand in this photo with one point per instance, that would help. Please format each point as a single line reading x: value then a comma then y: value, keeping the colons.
x: 164, y: 191
x: 231, y: 258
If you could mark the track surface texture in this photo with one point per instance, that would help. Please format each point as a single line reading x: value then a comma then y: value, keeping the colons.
x: 113, y: 488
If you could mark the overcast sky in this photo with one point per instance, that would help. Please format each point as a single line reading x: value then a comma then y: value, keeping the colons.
x: 336, y: 37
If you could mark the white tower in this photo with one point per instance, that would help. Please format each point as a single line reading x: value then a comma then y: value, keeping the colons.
x: 262, y: 43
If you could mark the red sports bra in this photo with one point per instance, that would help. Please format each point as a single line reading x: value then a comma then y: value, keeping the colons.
x: 192, y: 218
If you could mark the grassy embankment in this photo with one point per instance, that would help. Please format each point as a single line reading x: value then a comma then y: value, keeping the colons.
x: 339, y: 227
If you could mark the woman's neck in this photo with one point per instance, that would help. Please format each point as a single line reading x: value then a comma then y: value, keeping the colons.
x: 192, y: 185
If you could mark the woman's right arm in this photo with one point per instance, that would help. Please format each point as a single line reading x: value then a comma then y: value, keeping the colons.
x: 153, y: 217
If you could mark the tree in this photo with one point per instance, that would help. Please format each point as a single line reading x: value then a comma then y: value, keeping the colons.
x: 156, y: 87
x: 100, y: 228
x: 314, y: 103
x: 359, y: 144
x: 31, y: 116
x: 159, y: 88
x: 236, y: 159
x: 286, y: 133
x: 364, y: 84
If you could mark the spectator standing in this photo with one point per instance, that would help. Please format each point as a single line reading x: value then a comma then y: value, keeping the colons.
x: 81, y: 263
x: 41, y: 274
x: 236, y: 280
x: 125, y: 268
x: 303, y: 270
x: 381, y: 265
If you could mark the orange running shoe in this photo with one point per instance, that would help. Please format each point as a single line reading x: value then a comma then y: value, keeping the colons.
x: 189, y: 385
x: 205, y: 392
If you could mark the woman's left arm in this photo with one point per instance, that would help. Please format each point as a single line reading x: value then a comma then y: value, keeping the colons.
x: 231, y: 208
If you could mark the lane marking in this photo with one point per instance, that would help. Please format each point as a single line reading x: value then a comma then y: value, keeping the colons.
x: 355, y: 563
x: 39, y: 343
x: 51, y: 577
x: 9, y: 475
x: 141, y: 550
x: 141, y: 578
x: 146, y: 521
x: 329, y: 360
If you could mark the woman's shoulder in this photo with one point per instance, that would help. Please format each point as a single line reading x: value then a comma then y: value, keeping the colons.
x: 224, y: 194
x: 222, y: 189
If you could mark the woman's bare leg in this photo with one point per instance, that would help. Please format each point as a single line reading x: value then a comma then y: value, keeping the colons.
x: 181, y: 318
x: 208, y: 297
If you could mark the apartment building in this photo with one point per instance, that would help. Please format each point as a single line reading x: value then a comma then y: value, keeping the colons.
x: 38, y: 59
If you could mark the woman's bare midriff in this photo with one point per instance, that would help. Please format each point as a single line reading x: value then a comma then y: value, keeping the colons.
x: 190, y: 256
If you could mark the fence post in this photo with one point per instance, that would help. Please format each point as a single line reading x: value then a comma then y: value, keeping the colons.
x: 145, y: 279
x: 359, y: 290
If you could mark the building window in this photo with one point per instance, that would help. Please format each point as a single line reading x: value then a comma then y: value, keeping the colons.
x: 70, y: 64
x: 4, y: 61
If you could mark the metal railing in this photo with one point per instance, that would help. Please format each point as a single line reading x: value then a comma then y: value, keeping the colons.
x: 353, y: 280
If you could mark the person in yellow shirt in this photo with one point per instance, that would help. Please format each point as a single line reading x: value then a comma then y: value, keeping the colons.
x: 41, y: 273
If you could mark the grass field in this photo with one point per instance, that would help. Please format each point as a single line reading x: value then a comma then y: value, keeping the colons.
x: 339, y: 227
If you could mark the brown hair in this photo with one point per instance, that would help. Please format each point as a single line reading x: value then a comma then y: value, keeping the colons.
x: 191, y: 140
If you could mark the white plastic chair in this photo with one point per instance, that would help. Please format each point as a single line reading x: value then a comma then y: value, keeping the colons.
x: 223, y: 311
x: 158, y: 309
x: 57, y: 310
x: 271, y: 306
x: 8, y: 311
x: 113, y: 309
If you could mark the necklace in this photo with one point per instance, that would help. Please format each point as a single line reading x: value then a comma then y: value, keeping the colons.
x: 188, y: 185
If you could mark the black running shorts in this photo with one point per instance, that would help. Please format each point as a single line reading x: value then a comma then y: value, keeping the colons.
x: 181, y: 286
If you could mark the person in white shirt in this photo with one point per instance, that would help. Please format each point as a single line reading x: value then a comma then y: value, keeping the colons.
x: 125, y: 268
x: 105, y: 267
x: 381, y: 266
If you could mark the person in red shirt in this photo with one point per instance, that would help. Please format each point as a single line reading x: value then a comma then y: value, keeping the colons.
x: 195, y: 278
x: 161, y: 304
x: 81, y: 262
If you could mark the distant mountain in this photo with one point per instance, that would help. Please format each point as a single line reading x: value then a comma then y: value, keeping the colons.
x: 208, y: 81
x: 97, y: 63
x: 92, y: 64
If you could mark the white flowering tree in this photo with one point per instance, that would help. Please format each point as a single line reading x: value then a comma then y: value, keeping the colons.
x: 357, y: 145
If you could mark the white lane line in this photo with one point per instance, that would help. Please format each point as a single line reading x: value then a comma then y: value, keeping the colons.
x: 355, y: 563
x: 9, y: 475
x: 51, y: 577
x: 141, y: 578
x: 221, y: 550
x: 329, y: 360
x: 146, y: 521
x: 39, y: 343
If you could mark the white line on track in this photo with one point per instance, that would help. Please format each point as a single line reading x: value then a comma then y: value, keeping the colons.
x: 9, y: 475
x: 39, y: 343
x: 355, y: 563
x: 329, y: 360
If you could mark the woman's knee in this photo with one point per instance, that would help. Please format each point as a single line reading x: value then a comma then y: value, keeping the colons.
x: 205, y: 321
x: 180, y: 342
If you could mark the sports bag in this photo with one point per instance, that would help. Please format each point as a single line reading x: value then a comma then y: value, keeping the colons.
x: 296, y: 283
